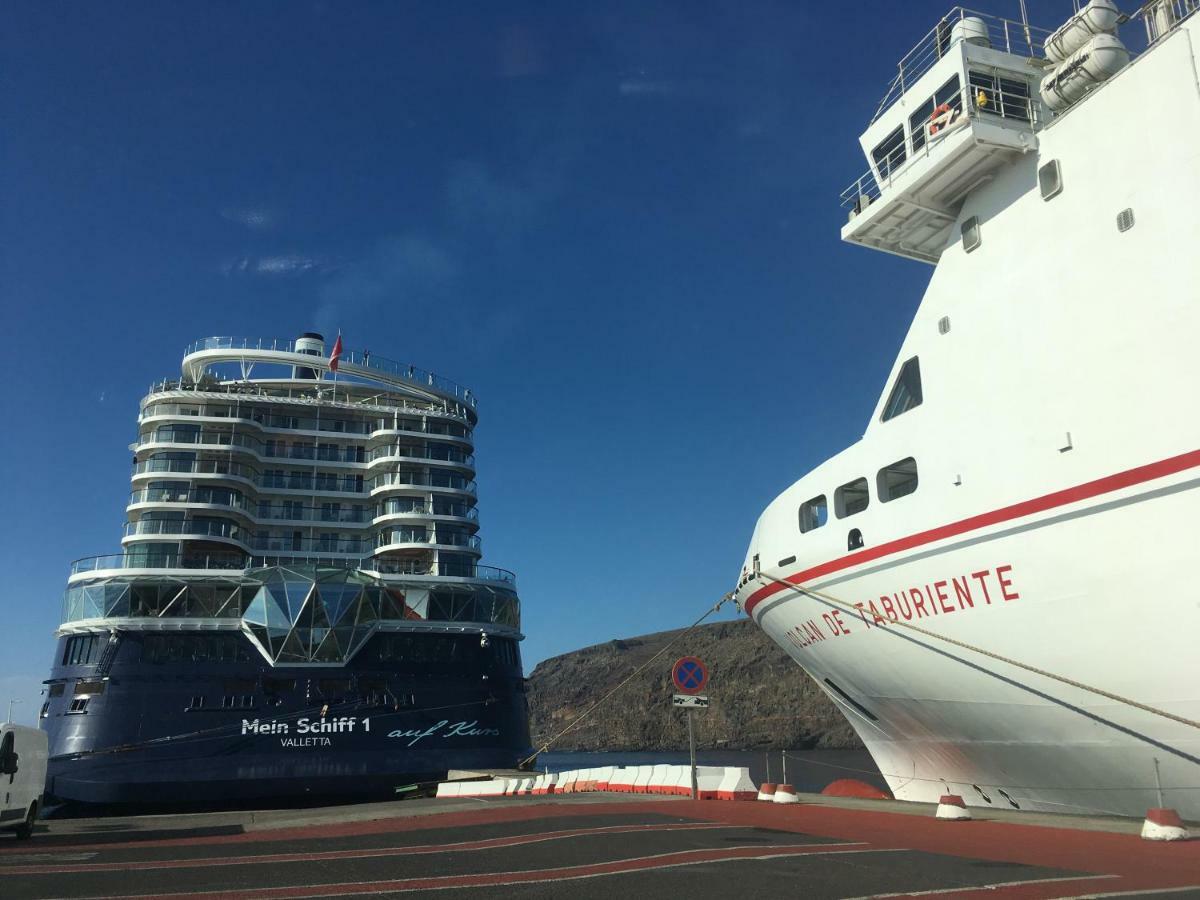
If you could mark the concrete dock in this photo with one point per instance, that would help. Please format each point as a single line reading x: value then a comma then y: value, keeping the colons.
x: 596, y: 846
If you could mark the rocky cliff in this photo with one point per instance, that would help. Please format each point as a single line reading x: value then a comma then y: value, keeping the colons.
x: 759, y: 698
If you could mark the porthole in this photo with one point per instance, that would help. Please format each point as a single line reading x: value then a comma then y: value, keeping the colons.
x: 1124, y: 220
x: 814, y: 513
x: 852, y: 497
x: 1050, y: 179
x: 944, y: 325
x: 971, y: 237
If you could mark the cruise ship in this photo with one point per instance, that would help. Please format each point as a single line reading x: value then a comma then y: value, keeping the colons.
x: 994, y: 583
x: 298, y: 607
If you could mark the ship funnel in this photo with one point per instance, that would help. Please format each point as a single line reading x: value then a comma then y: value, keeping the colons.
x: 310, y: 344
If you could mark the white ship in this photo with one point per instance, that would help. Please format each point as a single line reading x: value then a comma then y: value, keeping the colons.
x: 995, y: 584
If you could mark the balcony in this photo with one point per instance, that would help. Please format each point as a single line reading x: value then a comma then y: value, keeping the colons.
x: 407, y: 481
x: 450, y: 455
x: 186, y: 528
x: 412, y: 538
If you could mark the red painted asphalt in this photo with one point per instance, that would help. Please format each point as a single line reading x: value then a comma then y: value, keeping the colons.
x: 1074, y: 862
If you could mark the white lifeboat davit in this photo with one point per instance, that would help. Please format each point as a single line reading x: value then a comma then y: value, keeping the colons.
x: 1091, y: 65
x: 1097, y: 17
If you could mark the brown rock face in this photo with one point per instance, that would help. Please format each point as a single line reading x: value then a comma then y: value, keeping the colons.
x: 759, y: 698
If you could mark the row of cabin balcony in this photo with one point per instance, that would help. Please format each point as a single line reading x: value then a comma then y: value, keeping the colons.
x: 180, y: 493
x: 283, y: 450
x: 415, y: 422
x: 296, y: 541
x: 403, y: 482
x: 139, y: 557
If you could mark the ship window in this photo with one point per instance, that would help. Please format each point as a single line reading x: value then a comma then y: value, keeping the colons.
x: 918, y: 122
x: 814, y: 514
x: 906, y: 392
x: 56, y: 690
x: 971, y: 236
x: 1000, y: 96
x: 851, y: 498
x: 87, y: 688
x: 79, y: 705
x: 82, y: 650
x: 1124, y: 220
x: 854, y: 540
x: 897, y: 480
x: 1050, y: 179
x: 45, y: 710
x: 889, y: 154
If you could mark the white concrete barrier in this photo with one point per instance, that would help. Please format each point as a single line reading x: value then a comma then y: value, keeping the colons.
x: 659, y: 776
x: 708, y: 779
x: 642, y: 782
x: 683, y: 781
x: 736, y: 785
x: 449, y: 789
x: 604, y: 776
x: 622, y: 779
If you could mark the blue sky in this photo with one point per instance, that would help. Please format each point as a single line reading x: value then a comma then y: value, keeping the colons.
x: 616, y: 222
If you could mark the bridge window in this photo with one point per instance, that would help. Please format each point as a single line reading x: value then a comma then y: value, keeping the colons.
x: 1000, y: 96
x: 890, y: 154
x: 851, y: 498
x: 906, y: 392
x: 82, y: 650
x: 897, y: 480
x: 949, y: 94
x: 814, y: 514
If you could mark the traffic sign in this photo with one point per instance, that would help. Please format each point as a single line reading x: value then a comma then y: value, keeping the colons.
x: 689, y: 674
x: 691, y: 701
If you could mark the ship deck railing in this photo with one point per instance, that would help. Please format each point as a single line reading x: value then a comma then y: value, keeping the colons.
x: 362, y: 359
x: 1014, y: 37
x: 236, y: 562
x: 321, y: 394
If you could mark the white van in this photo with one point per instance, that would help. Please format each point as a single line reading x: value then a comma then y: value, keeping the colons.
x: 23, y: 753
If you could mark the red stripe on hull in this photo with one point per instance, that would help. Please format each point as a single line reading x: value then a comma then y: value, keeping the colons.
x: 1085, y: 491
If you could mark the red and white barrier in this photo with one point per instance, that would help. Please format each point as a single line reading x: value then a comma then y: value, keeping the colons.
x: 659, y: 776
x: 708, y: 780
x: 623, y: 779
x: 1163, y: 824
x: 642, y: 782
x: 785, y: 793
x: 736, y: 785
x: 952, y: 808
x: 604, y: 777
x: 766, y: 791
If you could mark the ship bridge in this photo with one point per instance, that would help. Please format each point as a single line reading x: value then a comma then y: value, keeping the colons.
x: 964, y: 103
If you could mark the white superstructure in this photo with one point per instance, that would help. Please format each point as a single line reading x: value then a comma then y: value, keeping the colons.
x: 996, y: 582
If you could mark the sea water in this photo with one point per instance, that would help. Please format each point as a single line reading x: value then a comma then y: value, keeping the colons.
x: 808, y: 770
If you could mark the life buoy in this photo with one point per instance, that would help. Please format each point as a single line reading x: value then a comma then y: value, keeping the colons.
x: 942, y: 116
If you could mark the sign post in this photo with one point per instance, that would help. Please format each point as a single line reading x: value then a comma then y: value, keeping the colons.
x: 690, y: 676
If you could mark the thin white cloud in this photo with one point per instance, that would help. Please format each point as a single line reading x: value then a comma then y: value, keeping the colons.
x: 256, y: 218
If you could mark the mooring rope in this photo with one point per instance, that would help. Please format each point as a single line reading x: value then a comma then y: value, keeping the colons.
x: 587, y: 712
x: 847, y: 607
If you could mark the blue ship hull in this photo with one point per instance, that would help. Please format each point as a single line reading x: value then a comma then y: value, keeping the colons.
x: 202, y: 719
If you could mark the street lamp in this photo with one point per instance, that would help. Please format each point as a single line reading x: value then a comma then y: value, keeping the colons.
x: 11, y: 701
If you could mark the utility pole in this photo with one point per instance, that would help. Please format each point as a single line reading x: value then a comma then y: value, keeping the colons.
x: 11, y: 701
x: 692, y: 755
